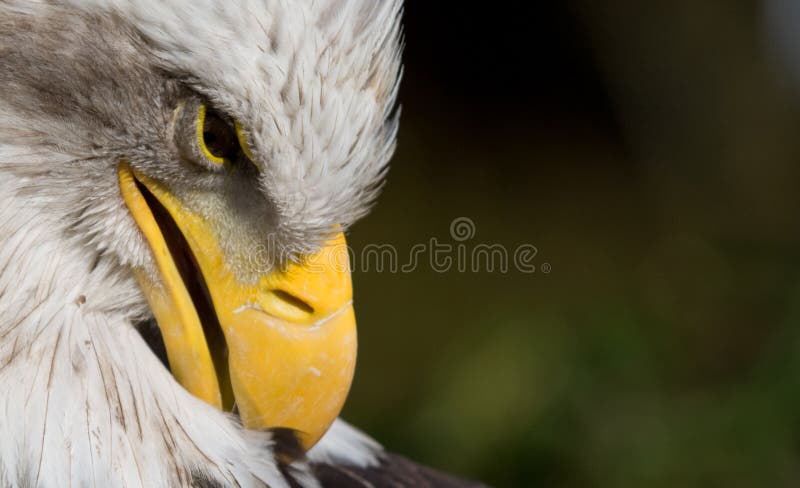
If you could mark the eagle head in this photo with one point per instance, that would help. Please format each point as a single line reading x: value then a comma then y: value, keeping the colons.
x: 196, y: 162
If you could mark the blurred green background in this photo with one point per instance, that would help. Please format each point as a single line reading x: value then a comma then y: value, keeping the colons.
x: 650, y: 151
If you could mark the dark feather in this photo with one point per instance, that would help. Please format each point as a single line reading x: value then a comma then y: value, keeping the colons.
x: 394, y: 472
x: 200, y: 480
x: 287, y: 450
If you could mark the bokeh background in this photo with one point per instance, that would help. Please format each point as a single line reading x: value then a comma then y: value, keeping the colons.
x: 651, y: 152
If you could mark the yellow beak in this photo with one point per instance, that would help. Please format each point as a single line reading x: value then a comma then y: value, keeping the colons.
x: 282, y: 350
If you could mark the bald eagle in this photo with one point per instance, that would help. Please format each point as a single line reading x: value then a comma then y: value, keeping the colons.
x: 175, y: 181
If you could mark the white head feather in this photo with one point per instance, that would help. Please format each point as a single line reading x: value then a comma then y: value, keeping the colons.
x: 85, y: 401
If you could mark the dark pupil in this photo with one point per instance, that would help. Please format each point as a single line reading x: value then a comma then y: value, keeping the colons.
x: 219, y: 137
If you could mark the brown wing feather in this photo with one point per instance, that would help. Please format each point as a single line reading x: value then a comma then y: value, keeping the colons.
x: 394, y: 472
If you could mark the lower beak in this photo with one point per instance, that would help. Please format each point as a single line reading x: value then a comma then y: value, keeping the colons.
x: 282, y: 349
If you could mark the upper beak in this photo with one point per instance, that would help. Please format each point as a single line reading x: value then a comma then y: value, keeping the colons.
x: 281, y: 349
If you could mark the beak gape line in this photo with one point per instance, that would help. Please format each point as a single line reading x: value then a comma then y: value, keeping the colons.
x: 282, y: 351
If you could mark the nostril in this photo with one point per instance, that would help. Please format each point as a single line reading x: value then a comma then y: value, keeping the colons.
x: 293, y: 301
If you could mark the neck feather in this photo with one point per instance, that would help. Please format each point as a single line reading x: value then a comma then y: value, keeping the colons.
x: 84, y: 401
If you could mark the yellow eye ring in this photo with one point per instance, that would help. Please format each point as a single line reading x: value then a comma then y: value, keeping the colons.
x: 201, y: 140
x: 243, y: 141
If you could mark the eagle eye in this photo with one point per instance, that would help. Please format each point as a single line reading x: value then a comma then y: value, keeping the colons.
x: 217, y: 137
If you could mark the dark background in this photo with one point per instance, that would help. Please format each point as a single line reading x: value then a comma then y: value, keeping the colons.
x: 650, y: 151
